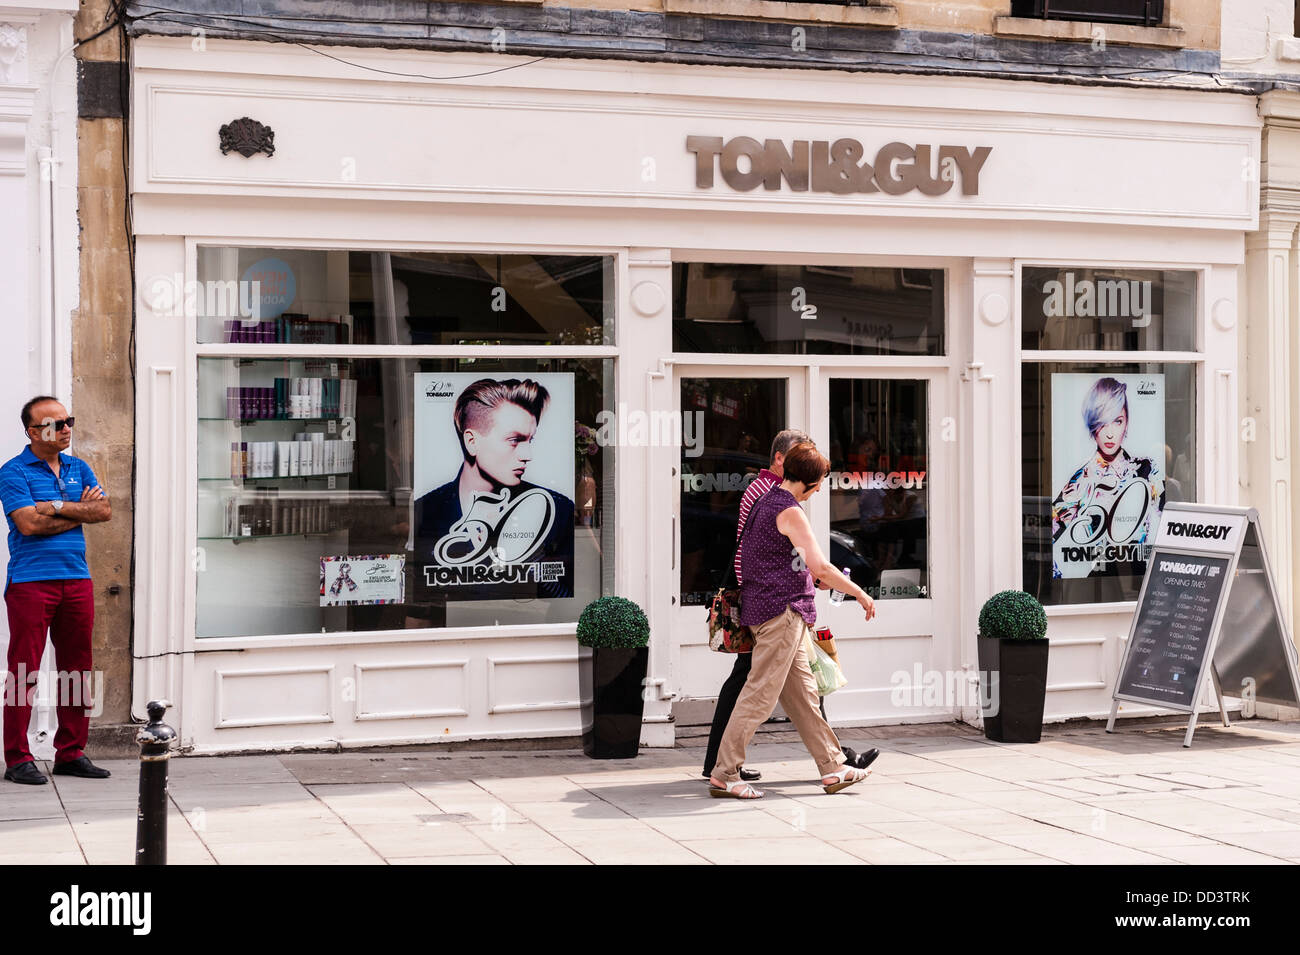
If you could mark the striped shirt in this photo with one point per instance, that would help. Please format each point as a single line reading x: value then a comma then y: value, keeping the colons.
x: 765, y: 481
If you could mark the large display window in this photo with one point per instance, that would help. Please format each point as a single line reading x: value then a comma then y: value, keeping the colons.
x: 343, y: 493
x: 1107, y: 441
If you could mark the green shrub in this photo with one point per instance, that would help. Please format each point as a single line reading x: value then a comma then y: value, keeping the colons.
x: 613, y: 623
x: 1014, y: 615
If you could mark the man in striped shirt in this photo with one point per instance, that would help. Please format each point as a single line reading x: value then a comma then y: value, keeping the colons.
x: 768, y: 478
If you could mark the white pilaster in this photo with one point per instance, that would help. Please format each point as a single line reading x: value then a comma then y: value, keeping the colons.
x: 645, y: 475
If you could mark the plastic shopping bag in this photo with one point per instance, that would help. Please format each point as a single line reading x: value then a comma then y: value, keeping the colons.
x: 825, y: 670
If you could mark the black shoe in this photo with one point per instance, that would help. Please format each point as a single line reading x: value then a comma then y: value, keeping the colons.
x: 863, y: 760
x: 26, y: 773
x: 748, y: 775
x: 81, y: 766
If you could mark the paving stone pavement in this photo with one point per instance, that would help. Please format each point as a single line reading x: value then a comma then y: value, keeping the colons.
x: 938, y: 795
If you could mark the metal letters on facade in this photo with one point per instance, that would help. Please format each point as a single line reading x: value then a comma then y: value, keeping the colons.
x: 837, y: 167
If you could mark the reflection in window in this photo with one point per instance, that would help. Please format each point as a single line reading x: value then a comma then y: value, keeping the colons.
x: 1108, y: 309
x: 880, y: 486
x: 318, y: 297
x: 813, y: 310
x: 728, y: 427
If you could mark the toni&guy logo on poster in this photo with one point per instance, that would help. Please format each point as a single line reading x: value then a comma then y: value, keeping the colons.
x: 507, y: 531
x: 1105, y: 298
x: 836, y: 167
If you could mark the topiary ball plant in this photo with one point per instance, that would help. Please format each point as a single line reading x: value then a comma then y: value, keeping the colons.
x: 1013, y: 615
x: 613, y: 623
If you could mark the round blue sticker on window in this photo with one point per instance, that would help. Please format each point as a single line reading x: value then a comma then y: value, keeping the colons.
x: 275, y: 290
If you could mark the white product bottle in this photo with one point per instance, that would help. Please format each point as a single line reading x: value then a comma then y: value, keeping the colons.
x: 837, y: 596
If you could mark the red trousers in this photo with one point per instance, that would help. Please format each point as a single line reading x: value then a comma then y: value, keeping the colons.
x: 66, y: 608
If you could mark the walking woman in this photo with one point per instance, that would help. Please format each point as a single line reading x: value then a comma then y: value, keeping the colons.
x: 779, y: 558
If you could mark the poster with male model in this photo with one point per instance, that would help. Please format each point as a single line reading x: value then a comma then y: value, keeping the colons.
x: 494, y: 476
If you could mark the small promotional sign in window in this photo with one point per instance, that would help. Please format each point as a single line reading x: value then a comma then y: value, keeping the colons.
x: 365, y: 579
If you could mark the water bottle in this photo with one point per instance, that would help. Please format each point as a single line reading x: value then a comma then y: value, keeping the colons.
x: 837, y: 596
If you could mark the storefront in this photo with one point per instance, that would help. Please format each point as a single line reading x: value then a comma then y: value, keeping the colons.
x: 603, y: 288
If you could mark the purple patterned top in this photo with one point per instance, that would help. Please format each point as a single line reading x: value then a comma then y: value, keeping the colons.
x: 770, y: 582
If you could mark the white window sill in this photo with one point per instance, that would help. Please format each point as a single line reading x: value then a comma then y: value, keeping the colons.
x: 875, y: 15
x: 1120, y: 34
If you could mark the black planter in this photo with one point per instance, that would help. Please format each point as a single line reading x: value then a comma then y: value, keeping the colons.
x: 612, y: 683
x: 1013, y: 687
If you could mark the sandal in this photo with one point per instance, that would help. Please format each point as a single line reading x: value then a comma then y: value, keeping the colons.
x: 844, y: 777
x: 737, y: 790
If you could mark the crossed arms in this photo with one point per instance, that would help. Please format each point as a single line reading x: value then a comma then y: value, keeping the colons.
x: 42, y: 520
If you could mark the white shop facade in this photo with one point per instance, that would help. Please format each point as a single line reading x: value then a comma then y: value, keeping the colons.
x: 952, y: 284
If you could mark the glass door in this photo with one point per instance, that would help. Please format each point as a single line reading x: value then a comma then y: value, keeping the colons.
x: 729, y: 417
x: 886, y: 515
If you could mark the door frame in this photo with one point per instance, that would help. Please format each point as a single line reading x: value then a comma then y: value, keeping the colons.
x: 807, y: 395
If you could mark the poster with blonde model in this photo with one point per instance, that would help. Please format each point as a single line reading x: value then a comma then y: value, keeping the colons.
x: 1108, y: 443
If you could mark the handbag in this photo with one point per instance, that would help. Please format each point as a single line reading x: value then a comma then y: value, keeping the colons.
x: 726, y: 634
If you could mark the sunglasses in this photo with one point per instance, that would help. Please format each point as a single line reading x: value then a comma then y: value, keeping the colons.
x: 58, y: 425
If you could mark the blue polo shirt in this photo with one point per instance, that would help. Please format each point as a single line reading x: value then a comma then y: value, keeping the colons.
x: 25, y: 480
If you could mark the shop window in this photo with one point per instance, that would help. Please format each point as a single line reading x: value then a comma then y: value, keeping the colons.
x: 341, y: 493
x: 315, y: 297
x: 807, y: 310
x: 1140, y: 12
x: 879, y: 485
x: 1105, y: 309
x: 1105, y: 446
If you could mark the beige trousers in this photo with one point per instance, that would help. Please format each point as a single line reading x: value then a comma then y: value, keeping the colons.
x: 779, y: 673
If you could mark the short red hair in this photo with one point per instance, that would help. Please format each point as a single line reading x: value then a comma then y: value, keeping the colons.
x: 804, y: 463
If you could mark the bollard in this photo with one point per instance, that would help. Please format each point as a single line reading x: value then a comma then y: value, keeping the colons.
x: 155, y: 739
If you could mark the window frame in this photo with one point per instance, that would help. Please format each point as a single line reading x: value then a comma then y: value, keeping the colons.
x: 195, y: 350
x: 1196, y: 359
x: 1152, y: 15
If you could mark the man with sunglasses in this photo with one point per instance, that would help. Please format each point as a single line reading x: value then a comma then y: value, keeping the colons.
x: 47, y: 495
